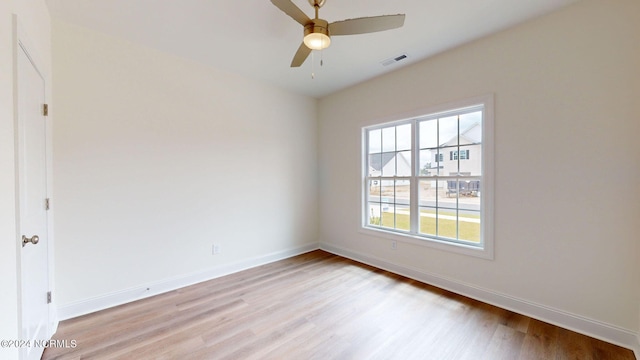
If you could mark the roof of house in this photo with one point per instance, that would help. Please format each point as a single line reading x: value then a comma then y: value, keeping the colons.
x: 378, y: 162
x: 473, y: 134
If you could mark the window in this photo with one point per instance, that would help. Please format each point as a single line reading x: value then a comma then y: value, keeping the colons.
x: 453, y: 155
x: 412, y: 192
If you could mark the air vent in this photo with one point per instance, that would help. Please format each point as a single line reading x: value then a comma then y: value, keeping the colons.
x: 394, y: 60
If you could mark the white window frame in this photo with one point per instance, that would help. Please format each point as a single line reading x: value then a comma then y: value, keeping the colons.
x: 486, y: 248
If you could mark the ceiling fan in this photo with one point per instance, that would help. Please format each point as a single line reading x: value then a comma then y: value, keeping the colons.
x: 318, y: 32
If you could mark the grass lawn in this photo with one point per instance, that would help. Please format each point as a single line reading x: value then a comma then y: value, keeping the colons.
x: 450, y: 213
x: 446, y: 228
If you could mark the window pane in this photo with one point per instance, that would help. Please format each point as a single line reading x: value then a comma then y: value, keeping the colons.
x: 389, y: 164
x: 389, y: 139
x: 373, y: 214
x: 427, y: 192
x: 387, y: 192
x: 403, y: 217
x: 448, y: 195
x: 469, y: 226
x: 469, y: 198
x: 447, y: 224
x: 374, y: 191
x: 375, y: 141
x: 448, y: 131
x: 471, y: 159
x: 428, y: 163
x: 449, y: 165
x: 403, y: 137
x: 388, y: 215
x: 375, y: 165
x: 429, y: 134
x: 403, y: 192
x: 471, y: 126
x: 373, y: 203
x: 427, y: 221
x: 403, y: 163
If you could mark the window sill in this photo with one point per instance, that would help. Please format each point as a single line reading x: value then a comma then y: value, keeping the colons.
x: 481, y: 252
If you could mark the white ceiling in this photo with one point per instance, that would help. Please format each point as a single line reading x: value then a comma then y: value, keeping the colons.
x: 255, y: 39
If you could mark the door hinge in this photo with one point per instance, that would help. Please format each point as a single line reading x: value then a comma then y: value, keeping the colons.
x: 45, y: 109
x: 48, y: 297
x: 47, y: 204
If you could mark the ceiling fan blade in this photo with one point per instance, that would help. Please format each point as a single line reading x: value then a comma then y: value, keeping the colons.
x: 366, y: 25
x: 300, y: 56
x: 292, y: 10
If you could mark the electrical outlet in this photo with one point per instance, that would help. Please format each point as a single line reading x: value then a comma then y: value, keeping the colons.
x: 394, y: 245
x: 216, y: 249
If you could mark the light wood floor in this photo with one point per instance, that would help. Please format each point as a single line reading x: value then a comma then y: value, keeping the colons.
x: 319, y: 306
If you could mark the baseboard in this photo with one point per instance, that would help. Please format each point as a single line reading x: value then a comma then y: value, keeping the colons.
x: 609, y: 333
x: 106, y: 301
x: 636, y: 349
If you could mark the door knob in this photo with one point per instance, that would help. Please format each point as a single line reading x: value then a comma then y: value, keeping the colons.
x: 34, y: 240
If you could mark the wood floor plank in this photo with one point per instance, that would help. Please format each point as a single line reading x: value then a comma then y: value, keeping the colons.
x: 506, y: 344
x: 573, y: 346
x: 541, y: 341
x: 318, y: 306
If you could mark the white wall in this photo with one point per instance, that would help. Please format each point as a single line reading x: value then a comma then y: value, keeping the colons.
x: 566, y: 157
x: 157, y: 158
x: 34, y: 20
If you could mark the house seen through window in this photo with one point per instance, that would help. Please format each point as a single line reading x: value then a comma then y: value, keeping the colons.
x: 424, y: 177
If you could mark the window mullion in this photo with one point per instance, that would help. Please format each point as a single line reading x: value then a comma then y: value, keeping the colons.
x: 414, y: 206
x: 458, y: 182
x: 438, y: 174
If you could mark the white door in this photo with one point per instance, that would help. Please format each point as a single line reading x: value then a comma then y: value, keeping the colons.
x: 32, y: 182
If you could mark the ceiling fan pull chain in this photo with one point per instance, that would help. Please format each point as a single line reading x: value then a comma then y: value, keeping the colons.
x: 321, y: 57
x: 313, y: 66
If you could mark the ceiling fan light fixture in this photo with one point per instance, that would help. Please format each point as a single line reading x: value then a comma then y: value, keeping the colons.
x: 316, y: 35
x: 317, y: 41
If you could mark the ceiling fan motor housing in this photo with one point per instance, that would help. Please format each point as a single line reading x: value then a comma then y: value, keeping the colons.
x: 317, y: 26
